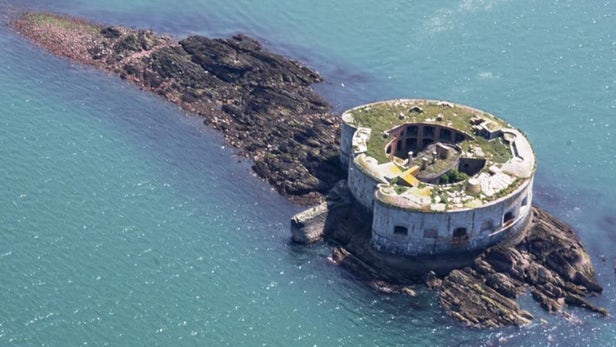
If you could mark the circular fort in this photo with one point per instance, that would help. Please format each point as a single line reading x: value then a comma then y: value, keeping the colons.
x: 437, y: 177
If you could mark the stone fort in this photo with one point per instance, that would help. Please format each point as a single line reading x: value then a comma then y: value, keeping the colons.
x: 437, y: 177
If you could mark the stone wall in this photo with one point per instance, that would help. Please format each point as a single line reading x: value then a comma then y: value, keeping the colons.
x: 308, y: 226
x: 407, y: 232
x: 346, y: 140
x: 417, y: 136
x: 362, y: 186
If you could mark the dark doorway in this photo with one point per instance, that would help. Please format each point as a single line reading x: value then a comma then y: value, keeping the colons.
x: 425, y: 143
x: 459, y: 233
x: 444, y: 135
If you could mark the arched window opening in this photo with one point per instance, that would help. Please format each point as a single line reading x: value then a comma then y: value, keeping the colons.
x: 508, y: 218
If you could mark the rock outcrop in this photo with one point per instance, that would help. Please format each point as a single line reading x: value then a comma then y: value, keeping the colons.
x: 547, y: 262
x: 550, y: 263
x: 261, y: 101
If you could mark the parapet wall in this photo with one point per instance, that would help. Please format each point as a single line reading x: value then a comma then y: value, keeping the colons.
x: 346, y: 140
x: 362, y: 184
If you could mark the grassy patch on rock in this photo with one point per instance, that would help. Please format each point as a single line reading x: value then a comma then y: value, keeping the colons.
x: 51, y: 20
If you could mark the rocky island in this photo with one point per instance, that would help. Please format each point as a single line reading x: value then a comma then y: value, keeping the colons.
x: 264, y: 106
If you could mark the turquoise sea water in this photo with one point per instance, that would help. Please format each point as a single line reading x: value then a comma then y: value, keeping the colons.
x: 124, y: 222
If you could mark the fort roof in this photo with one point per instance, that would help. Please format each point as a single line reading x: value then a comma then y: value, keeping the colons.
x: 468, y: 157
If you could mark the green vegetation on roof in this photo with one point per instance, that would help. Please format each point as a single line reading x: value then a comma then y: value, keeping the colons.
x: 382, y: 117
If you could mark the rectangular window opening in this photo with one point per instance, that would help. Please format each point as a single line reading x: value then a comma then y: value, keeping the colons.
x: 400, y: 230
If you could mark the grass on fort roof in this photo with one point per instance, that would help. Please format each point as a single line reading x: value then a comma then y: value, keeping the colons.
x: 385, y: 116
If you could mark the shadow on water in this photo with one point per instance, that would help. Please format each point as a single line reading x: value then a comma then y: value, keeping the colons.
x: 607, y: 223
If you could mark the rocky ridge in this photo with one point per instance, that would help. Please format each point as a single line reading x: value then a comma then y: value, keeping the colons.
x: 261, y: 101
x: 548, y: 262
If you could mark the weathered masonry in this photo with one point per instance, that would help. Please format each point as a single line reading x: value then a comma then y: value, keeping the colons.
x: 437, y: 177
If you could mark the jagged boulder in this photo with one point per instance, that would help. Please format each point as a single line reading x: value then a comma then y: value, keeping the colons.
x: 466, y: 297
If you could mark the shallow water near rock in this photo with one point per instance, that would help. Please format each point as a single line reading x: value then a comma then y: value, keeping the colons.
x: 125, y: 222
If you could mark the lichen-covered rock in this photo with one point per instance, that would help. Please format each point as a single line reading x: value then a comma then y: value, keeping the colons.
x: 504, y: 284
